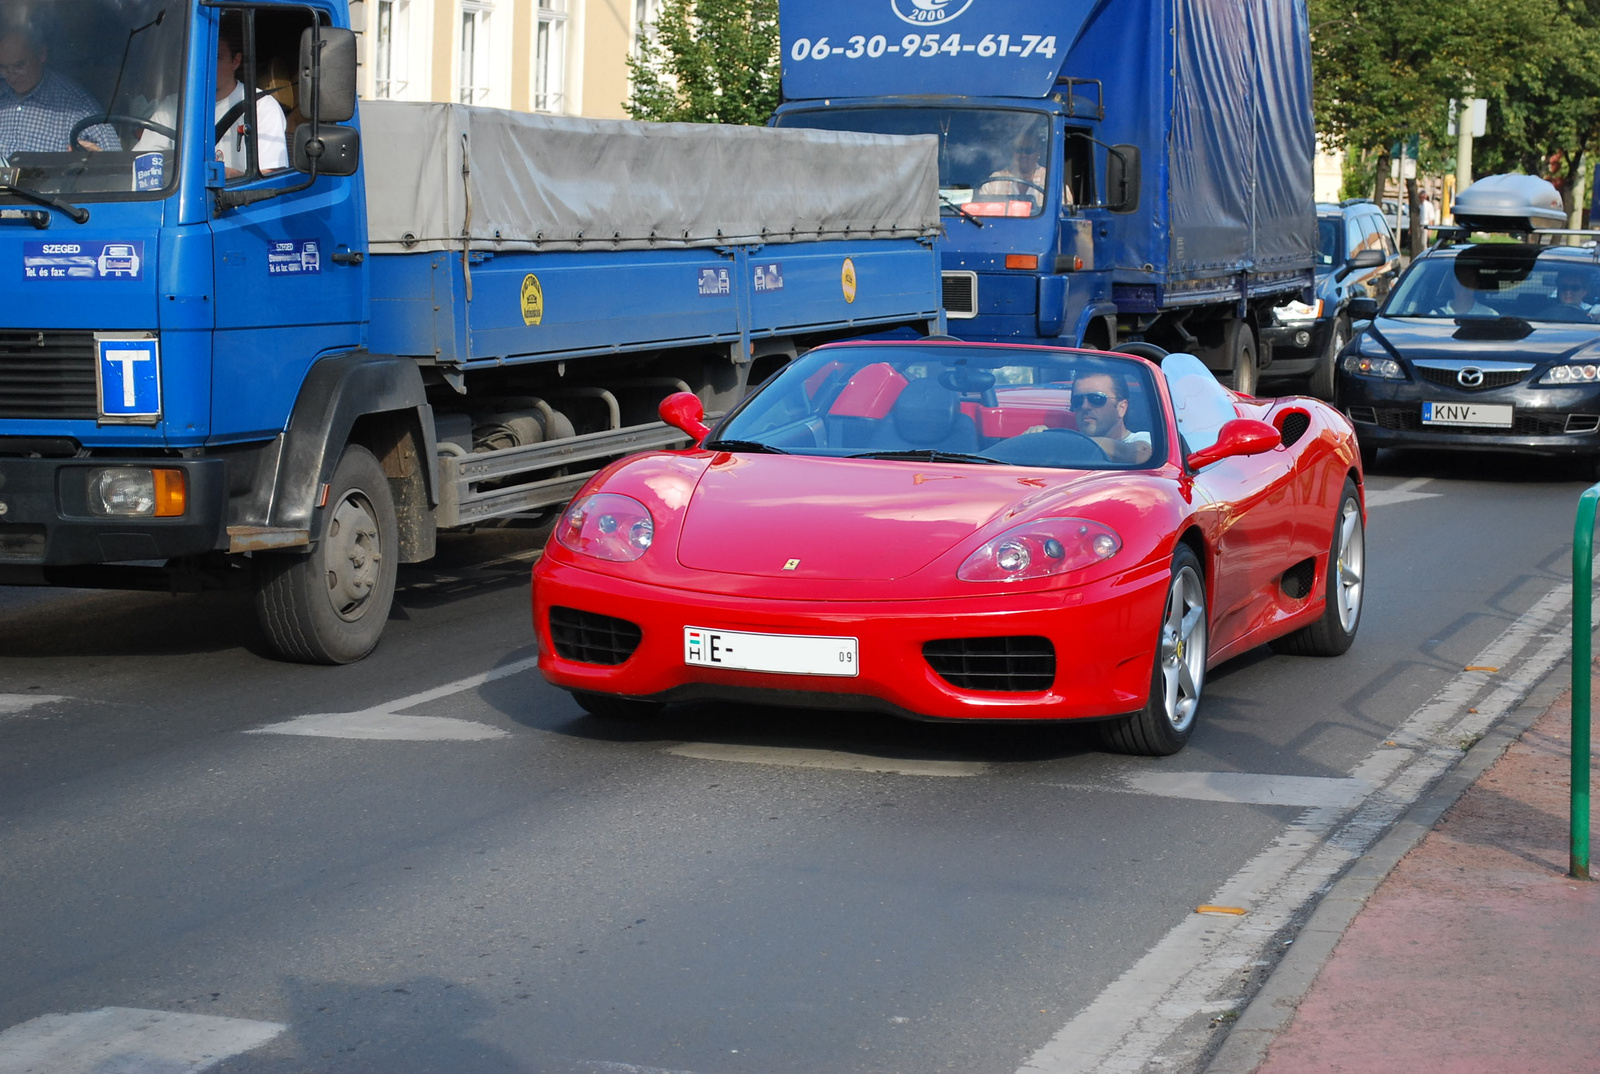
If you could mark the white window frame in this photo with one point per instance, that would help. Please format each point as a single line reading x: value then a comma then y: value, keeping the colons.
x: 475, y: 51
x: 550, y: 56
x: 645, y: 14
x: 392, y: 51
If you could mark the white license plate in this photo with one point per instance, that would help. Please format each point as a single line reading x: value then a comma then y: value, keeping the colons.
x: 1491, y: 415
x: 786, y: 654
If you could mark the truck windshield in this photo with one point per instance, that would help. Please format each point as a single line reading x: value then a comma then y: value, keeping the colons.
x: 89, y: 96
x: 992, y: 162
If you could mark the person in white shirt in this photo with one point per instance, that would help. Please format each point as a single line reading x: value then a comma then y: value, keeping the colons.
x: 1099, y: 404
x: 272, y: 147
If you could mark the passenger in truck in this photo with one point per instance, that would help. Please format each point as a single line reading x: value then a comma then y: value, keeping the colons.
x: 272, y: 148
x: 1023, y: 177
x: 38, y: 105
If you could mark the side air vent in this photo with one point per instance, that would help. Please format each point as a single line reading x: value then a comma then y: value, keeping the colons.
x: 592, y: 639
x: 1294, y: 426
x: 1019, y: 664
x: 1297, y: 580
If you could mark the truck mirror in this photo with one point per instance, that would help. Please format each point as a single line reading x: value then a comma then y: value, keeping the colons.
x: 332, y: 96
x: 1122, y: 178
x: 337, y: 149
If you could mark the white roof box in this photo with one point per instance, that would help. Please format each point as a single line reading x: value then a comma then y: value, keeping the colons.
x: 1509, y: 203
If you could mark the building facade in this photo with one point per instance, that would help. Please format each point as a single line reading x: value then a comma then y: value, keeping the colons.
x: 565, y: 57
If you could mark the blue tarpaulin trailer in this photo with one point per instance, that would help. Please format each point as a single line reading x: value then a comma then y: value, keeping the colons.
x: 1170, y: 197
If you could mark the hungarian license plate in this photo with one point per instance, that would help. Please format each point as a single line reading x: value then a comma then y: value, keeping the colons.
x: 1493, y: 416
x: 785, y: 654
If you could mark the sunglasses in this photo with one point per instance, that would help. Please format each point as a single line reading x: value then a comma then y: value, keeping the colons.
x: 1094, y: 399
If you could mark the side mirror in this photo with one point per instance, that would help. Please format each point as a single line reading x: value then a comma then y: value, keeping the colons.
x: 1364, y: 308
x: 1364, y: 259
x: 683, y: 410
x: 337, y: 149
x: 328, y: 88
x: 1122, y: 178
x: 1239, y: 437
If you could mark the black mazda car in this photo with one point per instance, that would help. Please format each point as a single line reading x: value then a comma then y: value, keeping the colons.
x: 1481, y: 346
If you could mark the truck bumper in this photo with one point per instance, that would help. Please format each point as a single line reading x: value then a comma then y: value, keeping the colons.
x: 45, y: 518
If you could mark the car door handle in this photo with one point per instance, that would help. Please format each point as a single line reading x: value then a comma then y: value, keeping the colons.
x: 349, y: 257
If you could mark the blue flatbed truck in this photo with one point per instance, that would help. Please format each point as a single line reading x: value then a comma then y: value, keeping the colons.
x: 1168, y: 194
x: 290, y: 379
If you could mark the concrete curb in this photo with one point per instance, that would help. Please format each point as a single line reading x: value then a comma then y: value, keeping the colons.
x: 1269, y: 1012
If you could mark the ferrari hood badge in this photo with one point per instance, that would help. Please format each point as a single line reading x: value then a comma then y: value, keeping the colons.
x: 791, y: 564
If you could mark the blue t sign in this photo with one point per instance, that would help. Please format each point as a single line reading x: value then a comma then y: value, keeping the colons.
x: 130, y: 377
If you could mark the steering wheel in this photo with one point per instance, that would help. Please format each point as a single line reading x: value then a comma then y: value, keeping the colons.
x: 1002, y: 177
x: 118, y: 117
x: 1051, y: 447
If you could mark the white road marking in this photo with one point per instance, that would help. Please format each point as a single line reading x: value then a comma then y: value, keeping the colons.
x: 11, y: 704
x: 832, y: 759
x: 122, y: 1040
x: 600, y: 1066
x: 1402, y: 492
x: 1249, y: 788
x: 386, y: 722
x: 1146, y: 1019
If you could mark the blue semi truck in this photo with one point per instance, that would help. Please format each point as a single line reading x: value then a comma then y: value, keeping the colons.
x: 1110, y: 170
x: 220, y: 371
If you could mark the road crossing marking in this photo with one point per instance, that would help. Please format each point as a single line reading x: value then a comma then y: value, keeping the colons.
x: 830, y: 759
x: 128, y: 1041
x: 387, y: 721
x: 1406, y: 490
x: 1147, y: 1017
x: 12, y: 704
x: 1250, y: 788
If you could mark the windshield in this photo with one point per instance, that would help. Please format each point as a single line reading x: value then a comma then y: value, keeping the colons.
x: 89, y: 94
x: 952, y: 403
x: 991, y: 162
x: 1330, y: 240
x: 1490, y: 282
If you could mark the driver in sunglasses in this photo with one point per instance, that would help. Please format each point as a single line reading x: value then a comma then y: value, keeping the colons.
x: 1099, y: 404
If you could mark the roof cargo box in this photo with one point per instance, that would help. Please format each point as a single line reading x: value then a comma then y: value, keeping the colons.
x: 1509, y: 203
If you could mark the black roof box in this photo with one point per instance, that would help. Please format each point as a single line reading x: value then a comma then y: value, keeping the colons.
x: 1509, y: 203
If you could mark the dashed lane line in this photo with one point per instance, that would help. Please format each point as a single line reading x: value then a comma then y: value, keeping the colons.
x: 14, y: 704
x: 792, y: 757
x: 124, y: 1040
x: 1401, y: 493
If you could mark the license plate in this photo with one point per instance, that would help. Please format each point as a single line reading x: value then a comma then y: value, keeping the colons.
x: 785, y: 654
x: 1491, y: 415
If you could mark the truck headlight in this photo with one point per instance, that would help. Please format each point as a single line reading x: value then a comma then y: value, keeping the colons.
x: 1361, y: 365
x: 134, y: 491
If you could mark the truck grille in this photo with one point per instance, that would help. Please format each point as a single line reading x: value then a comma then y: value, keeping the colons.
x: 960, y: 294
x: 1021, y: 664
x: 47, y: 374
x: 590, y: 638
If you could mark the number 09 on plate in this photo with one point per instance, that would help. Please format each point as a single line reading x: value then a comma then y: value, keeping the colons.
x: 783, y: 654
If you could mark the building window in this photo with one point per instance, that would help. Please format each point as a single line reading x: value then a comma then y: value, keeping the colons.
x: 393, y: 41
x: 550, y: 57
x: 475, y: 51
x: 645, y: 13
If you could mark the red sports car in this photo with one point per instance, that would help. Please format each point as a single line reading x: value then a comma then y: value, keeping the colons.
x: 962, y: 531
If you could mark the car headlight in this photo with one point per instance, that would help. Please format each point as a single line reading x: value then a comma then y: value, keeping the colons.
x: 1361, y: 365
x: 607, y: 526
x: 1571, y: 374
x: 1039, y: 549
x: 1300, y: 311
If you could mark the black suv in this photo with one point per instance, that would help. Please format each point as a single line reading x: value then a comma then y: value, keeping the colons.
x: 1356, y: 258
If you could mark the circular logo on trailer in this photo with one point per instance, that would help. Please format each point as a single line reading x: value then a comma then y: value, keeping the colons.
x: 847, y: 280
x: 532, y: 300
x: 928, y: 12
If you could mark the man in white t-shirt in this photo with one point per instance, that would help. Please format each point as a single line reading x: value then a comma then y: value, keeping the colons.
x: 1099, y: 404
x: 272, y: 148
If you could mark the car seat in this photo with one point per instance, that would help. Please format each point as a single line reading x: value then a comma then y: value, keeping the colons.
x: 926, y: 415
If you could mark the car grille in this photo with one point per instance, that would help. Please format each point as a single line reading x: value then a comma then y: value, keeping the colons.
x: 1020, y: 664
x: 47, y: 375
x: 960, y: 294
x: 1492, y: 378
x: 1409, y: 419
x: 589, y: 638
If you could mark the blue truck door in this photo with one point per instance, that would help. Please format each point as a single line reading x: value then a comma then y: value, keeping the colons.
x: 282, y: 298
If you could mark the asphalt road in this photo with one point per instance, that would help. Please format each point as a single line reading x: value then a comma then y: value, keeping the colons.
x: 487, y: 879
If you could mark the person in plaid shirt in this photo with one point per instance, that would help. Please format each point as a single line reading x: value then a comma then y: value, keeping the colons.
x: 38, y: 106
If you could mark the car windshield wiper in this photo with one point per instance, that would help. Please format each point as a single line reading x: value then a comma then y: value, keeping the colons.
x: 973, y: 220
x: 744, y: 445
x: 929, y: 455
x: 10, y: 185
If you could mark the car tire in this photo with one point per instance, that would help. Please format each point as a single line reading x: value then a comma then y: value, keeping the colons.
x: 329, y: 606
x: 1165, y: 724
x: 1321, y: 384
x: 1344, y: 587
x: 612, y: 707
x: 1239, y: 347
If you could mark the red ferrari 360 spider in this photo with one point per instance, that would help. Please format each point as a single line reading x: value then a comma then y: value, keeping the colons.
x: 961, y: 531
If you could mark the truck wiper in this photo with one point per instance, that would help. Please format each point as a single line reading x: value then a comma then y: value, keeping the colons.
x: 10, y: 185
x: 744, y: 445
x: 929, y: 455
x: 973, y: 220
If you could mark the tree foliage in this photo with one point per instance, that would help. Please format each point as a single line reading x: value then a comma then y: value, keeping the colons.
x: 708, y: 61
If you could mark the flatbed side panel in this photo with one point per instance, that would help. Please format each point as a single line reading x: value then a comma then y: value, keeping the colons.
x: 833, y: 284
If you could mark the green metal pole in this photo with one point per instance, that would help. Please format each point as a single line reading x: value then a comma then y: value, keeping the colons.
x: 1582, y: 633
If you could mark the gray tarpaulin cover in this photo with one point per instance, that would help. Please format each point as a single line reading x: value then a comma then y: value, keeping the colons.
x: 441, y: 175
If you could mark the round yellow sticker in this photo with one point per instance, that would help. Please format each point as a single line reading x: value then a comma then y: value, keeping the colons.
x: 532, y: 300
x: 847, y: 280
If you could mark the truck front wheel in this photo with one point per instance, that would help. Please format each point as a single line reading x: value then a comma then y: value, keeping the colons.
x: 329, y: 606
x: 1239, y: 345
